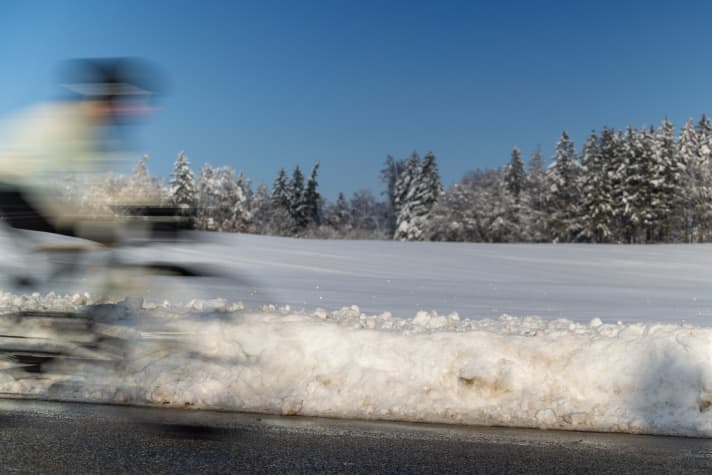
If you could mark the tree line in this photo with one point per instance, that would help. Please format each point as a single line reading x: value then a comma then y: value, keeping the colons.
x: 634, y: 186
x: 218, y: 200
x: 642, y: 185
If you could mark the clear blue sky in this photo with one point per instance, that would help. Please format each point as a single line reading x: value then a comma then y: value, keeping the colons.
x: 264, y: 85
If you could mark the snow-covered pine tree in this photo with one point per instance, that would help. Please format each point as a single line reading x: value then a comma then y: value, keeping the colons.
x: 280, y: 191
x: 205, y: 213
x: 417, y: 196
x: 694, y: 199
x: 243, y: 204
x: 669, y: 192
x: 564, y: 191
x: 140, y: 171
x: 650, y: 181
x: 613, y: 149
x: 389, y: 176
x: 281, y: 221
x: 704, y: 136
x: 704, y: 140
x: 503, y: 225
x: 427, y: 192
x: 430, y: 188
x: 312, y: 199
x: 514, y: 175
x: 407, y: 175
x: 596, y: 188
x: 633, y: 183
x: 535, y: 228
x: 183, y: 186
x: 297, y: 204
x: 515, y: 182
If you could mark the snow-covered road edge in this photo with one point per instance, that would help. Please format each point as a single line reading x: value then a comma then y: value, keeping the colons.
x: 524, y: 372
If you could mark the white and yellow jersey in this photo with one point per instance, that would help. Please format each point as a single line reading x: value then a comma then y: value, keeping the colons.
x: 47, y: 142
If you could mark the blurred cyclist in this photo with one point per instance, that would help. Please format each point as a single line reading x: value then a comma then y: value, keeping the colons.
x: 69, y: 138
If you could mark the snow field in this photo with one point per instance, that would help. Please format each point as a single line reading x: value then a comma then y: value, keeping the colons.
x: 622, y: 342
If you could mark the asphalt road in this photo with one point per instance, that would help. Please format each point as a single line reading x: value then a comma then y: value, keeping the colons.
x: 48, y: 437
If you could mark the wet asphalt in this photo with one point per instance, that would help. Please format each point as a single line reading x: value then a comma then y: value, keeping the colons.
x: 57, y: 438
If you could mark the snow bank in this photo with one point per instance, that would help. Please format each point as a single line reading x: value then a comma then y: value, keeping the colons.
x: 509, y: 371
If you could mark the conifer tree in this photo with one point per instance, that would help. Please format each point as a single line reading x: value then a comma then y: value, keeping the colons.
x: 704, y: 137
x: 389, y: 176
x: 183, y: 186
x: 297, y: 204
x: 312, y: 199
x: 669, y: 192
x: 206, y: 198
x: 596, y: 188
x: 614, y: 154
x: 429, y: 188
x: 648, y: 196
x: 281, y: 221
x: 704, y: 141
x: 227, y: 200
x: 417, y: 190
x: 515, y: 176
x: 631, y: 185
x: 564, y: 191
x: 280, y: 191
x: 140, y: 171
x: 694, y: 199
x: 403, y: 187
x: 243, y: 204
x: 536, y: 198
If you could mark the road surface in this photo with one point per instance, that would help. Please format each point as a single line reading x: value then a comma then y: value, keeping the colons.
x: 51, y: 437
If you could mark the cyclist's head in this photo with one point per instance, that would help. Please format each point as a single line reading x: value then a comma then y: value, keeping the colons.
x: 113, y: 90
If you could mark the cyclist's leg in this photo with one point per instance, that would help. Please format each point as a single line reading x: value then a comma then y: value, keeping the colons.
x: 19, y: 214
